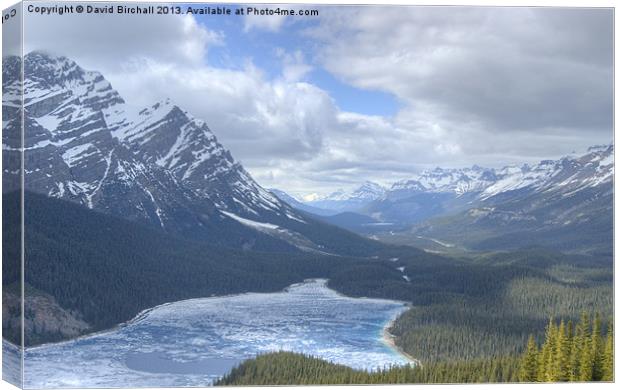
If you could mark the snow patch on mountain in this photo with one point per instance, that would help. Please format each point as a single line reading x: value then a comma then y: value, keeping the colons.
x: 253, y: 224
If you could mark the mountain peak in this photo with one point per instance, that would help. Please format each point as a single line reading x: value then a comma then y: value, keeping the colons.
x: 601, y: 148
x: 411, y: 185
x: 44, y: 56
x: 54, y: 69
x: 368, y: 191
x: 371, y: 184
x: 52, y: 80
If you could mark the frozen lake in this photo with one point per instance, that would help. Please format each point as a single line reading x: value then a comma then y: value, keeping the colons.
x: 194, y: 342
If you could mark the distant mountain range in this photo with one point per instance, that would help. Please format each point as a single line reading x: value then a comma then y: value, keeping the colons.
x: 157, y: 165
x: 161, y: 166
x: 486, y: 207
x: 350, y: 201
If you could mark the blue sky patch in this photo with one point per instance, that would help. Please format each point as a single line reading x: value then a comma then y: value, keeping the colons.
x: 262, y: 48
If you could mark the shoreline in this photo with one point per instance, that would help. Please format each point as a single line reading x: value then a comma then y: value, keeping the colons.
x: 144, y: 313
x: 390, y: 340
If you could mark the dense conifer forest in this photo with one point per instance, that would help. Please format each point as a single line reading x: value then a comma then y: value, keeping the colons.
x: 486, y: 307
x: 288, y: 368
x: 582, y: 352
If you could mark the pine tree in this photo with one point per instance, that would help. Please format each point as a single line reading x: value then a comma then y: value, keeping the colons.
x: 547, y: 354
x: 597, y: 349
x: 570, y: 334
x: 608, y: 355
x: 585, y: 360
x: 576, y: 345
x: 560, y: 367
x: 529, y: 362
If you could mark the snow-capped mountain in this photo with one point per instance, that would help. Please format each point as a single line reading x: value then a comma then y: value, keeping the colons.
x: 565, y: 204
x: 466, y: 185
x: 590, y: 169
x: 543, y: 204
x: 166, y: 136
x: 458, y: 181
x: 567, y: 174
x: 350, y: 200
x: 368, y: 191
x: 299, y: 205
x: 158, y: 164
x: 70, y: 152
x: 445, y: 191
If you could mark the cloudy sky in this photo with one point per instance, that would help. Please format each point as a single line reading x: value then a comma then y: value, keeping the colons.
x: 312, y: 104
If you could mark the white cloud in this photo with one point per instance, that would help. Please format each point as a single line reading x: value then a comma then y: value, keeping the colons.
x: 477, y: 85
x: 96, y: 42
x: 294, y: 66
x: 468, y: 76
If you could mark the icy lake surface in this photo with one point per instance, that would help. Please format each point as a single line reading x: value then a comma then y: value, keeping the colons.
x: 194, y: 342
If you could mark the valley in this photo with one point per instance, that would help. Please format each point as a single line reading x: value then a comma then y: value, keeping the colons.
x: 564, y: 204
x: 145, y: 236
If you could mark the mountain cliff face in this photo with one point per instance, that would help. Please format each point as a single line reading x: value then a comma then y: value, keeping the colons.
x: 158, y: 165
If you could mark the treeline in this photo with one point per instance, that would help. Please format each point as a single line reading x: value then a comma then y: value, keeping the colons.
x: 288, y: 368
x: 571, y: 353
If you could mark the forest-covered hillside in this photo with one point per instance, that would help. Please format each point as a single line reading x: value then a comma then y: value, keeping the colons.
x: 488, y: 305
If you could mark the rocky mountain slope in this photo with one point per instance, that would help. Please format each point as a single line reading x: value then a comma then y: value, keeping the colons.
x: 565, y: 204
x: 158, y: 165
